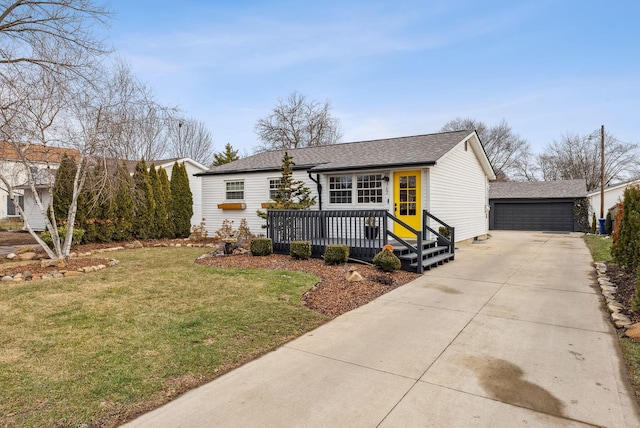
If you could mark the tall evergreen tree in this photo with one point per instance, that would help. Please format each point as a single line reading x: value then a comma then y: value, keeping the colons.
x: 160, y: 214
x: 63, y: 188
x: 145, y: 205
x: 292, y: 194
x: 124, y: 204
x: 226, y: 156
x: 182, y: 201
x: 166, y: 191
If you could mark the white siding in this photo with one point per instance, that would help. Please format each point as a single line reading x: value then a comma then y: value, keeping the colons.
x: 195, y: 184
x: 256, y: 192
x: 611, y: 197
x: 459, y: 192
x: 32, y: 211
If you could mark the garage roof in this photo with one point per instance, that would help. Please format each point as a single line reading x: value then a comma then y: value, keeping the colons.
x: 538, y: 189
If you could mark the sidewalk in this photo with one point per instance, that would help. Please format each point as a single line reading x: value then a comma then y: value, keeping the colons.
x: 511, y: 333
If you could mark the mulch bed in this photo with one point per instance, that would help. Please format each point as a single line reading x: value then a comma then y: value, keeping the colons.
x: 626, y: 284
x: 333, y: 295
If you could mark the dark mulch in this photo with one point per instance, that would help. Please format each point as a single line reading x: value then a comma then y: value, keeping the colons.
x: 333, y: 295
x: 626, y: 283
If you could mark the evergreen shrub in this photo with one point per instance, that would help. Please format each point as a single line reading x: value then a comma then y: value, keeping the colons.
x: 387, y: 261
x: 300, y: 249
x: 336, y: 254
x: 77, y: 233
x: 261, y: 246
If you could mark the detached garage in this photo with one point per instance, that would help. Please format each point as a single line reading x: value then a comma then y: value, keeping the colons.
x: 542, y: 205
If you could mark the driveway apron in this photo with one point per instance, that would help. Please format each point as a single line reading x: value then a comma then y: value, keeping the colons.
x: 512, y: 333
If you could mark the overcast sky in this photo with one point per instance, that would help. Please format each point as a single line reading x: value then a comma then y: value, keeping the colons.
x: 393, y: 68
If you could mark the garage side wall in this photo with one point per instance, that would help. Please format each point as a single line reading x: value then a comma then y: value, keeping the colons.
x: 459, y: 192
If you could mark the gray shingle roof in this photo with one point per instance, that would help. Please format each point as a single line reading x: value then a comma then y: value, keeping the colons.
x: 404, y: 151
x: 538, y: 189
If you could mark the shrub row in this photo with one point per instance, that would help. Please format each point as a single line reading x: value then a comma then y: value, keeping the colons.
x: 333, y: 255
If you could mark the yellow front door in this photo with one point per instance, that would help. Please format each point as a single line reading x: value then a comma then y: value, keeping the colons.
x: 406, y: 202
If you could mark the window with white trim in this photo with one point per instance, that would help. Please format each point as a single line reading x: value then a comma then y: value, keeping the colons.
x: 274, y: 187
x: 370, y: 188
x: 340, y: 189
x: 234, y: 190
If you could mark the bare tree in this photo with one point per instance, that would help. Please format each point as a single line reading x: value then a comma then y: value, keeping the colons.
x: 190, y: 138
x: 52, y: 34
x: 296, y: 122
x: 579, y: 157
x: 505, y: 149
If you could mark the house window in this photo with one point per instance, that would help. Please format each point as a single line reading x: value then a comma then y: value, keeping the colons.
x: 234, y: 190
x: 370, y: 189
x: 11, y: 209
x: 274, y: 187
x: 340, y: 189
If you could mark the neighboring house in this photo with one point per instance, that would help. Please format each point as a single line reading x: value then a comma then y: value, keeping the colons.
x: 538, y: 205
x: 612, y: 195
x: 39, y: 159
x: 446, y: 174
x: 36, y: 218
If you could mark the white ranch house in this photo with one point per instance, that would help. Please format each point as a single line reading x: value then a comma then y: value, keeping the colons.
x: 446, y: 174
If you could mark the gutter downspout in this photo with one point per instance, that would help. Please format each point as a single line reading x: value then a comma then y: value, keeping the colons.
x: 319, y: 188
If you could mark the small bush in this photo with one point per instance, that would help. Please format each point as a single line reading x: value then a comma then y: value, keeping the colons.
x: 336, y: 254
x: 444, y: 231
x: 78, y: 233
x: 261, y: 246
x: 594, y: 224
x: 300, y: 249
x: 608, y: 224
x: 387, y: 261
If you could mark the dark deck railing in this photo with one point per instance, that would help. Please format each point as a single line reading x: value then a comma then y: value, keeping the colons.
x: 366, y: 232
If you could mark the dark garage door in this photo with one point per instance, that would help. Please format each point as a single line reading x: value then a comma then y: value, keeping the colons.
x: 551, y: 216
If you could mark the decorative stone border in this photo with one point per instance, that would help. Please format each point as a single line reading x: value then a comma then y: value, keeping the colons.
x: 608, y: 291
x: 55, y: 274
x: 61, y: 273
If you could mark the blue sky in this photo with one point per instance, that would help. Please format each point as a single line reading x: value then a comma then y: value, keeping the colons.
x: 391, y: 69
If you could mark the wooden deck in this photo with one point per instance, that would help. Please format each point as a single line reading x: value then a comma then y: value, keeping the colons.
x: 366, y: 232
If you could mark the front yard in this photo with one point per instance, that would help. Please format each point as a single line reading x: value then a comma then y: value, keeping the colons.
x: 103, y: 347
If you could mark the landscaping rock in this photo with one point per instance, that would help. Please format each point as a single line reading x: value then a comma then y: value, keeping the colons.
x: 52, y: 262
x: 58, y: 275
x: 26, y: 256
x: 11, y: 256
x: 72, y: 273
x: 353, y: 276
x: 47, y: 277
x: 7, y: 278
x: 633, y: 332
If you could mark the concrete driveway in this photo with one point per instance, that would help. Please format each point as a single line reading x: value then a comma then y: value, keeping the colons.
x: 512, y: 333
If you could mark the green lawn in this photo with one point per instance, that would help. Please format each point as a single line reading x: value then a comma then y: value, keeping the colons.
x: 600, y: 247
x: 87, y: 349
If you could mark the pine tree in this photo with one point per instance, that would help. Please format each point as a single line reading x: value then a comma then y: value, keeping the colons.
x: 626, y: 246
x: 226, y: 156
x: 124, y: 205
x: 182, y: 201
x: 160, y: 213
x: 63, y: 188
x: 292, y: 194
x: 166, y: 192
x: 144, y: 207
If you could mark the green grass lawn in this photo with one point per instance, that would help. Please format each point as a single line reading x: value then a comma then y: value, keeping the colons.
x: 599, y: 246
x: 125, y: 339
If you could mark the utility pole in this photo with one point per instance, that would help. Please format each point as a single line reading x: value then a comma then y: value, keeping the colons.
x: 602, y: 172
